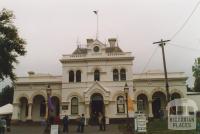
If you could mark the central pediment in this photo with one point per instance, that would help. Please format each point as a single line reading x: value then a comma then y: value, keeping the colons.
x: 96, y: 87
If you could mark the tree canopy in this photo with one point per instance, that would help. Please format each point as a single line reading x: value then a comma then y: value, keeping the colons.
x: 196, y: 74
x: 6, y: 95
x: 11, y: 45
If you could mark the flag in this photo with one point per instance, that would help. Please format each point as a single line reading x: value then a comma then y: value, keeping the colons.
x: 96, y: 12
x: 130, y: 104
x: 50, y: 104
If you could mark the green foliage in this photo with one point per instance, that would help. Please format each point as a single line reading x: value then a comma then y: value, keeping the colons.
x: 11, y: 45
x: 6, y: 95
x: 196, y: 74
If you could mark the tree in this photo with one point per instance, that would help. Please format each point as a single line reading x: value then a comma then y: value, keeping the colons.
x: 6, y: 95
x: 196, y: 74
x: 11, y: 45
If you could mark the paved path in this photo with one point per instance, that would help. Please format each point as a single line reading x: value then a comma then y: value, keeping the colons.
x: 23, y: 129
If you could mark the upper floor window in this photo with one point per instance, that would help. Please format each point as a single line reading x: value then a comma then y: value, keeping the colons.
x: 96, y: 75
x: 123, y: 74
x: 120, y: 104
x: 74, y: 105
x: 71, y: 76
x: 115, y: 75
x: 78, y: 76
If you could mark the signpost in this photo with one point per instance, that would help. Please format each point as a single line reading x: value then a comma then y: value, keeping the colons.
x: 54, y: 129
x: 140, y: 123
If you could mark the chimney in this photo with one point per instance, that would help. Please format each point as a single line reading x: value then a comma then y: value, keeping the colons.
x: 89, y: 41
x: 112, y: 42
x: 31, y: 73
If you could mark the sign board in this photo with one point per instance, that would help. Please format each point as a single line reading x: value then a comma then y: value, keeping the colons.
x: 180, y: 122
x: 64, y: 107
x: 54, y: 129
x: 182, y: 114
x: 140, y: 123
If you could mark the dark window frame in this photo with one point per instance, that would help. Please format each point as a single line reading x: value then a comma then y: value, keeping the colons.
x: 123, y: 74
x: 96, y: 75
x: 78, y: 76
x: 74, y: 105
x: 71, y: 76
x: 119, y: 104
x: 115, y: 75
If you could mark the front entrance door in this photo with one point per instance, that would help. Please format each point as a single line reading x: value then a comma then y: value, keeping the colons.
x: 96, y: 107
x: 156, y: 106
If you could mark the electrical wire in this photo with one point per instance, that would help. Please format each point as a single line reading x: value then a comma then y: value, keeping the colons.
x: 186, y: 21
x: 184, y: 47
x: 148, y: 62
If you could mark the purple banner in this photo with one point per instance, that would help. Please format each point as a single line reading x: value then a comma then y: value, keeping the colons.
x: 50, y: 104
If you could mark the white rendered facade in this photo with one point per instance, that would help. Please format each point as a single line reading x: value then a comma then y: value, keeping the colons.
x: 93, y: 84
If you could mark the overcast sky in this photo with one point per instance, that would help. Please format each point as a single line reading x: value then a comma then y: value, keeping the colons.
x: 52, y: 27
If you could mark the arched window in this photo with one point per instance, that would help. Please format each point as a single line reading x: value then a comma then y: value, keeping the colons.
x: 115, y: 75
x: 74, y: 105
x: 120, y: 104
x: 96, y: 75
x: 123, y: 74
x: 78, y: 76
x: 71, y: 76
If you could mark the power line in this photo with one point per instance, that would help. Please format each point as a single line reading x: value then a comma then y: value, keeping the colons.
x: 184, y: 47
x: 186, y: 21
x: 149, y: 60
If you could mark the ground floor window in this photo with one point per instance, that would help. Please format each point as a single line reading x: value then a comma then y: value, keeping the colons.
x: 74, y: 105
x: 120, y: 104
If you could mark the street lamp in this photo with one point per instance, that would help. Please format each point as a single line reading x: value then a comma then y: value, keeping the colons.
x: 126, y: 90
x: 48, y: 91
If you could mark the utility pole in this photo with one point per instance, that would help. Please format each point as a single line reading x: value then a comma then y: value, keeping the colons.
x: 162, y: 44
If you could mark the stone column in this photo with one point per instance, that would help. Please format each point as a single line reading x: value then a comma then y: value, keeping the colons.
x: 16, y: 112
x: 29, y: 111
x: 106, y: 113
x: 46, y: 115
x: 87, y: 114
x: 135, y: 105
x: 150, y: 109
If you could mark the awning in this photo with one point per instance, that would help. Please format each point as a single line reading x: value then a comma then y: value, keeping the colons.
x: 6, y: 109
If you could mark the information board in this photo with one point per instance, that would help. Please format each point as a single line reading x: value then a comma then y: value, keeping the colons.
x: 140, y: 123
x: 54, y: 129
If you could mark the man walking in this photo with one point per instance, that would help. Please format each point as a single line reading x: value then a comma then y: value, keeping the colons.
x: 65, y: 124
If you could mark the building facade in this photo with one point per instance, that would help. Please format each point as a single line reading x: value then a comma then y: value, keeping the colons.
x: 92, y: 81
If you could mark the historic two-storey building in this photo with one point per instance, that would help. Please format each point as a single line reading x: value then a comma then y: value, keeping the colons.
x: 92, y: 81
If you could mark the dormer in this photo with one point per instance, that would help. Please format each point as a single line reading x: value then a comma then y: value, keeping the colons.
x: 95, y: 46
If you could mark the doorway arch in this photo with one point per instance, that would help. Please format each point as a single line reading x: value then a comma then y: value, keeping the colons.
x: 158, y: 104
x: 96, y: 107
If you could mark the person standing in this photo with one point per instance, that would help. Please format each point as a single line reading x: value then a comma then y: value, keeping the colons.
x: 57, y: 122
x: 3, y: 121
x: 103, y: 120
x: 100, y: 121
x: 8, y: 122
x: 82, y: 123
x: 78, y: 123
x: 65, y: 124
x: 1, y: 126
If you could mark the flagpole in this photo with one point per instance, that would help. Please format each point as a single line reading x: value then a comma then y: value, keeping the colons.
x: 97, y: 25
x: 97, y: 32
